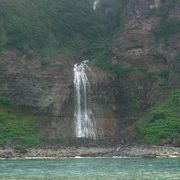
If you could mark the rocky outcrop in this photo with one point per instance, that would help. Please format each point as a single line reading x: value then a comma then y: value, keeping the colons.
x: 118, y: 151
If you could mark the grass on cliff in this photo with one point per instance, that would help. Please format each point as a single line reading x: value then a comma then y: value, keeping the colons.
x: 118, y: 70
x: 17, y: 128
x: 163, y: 121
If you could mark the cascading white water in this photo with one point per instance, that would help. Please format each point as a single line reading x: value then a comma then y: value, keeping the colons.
x: 95, y: 4
x: 85, y: 125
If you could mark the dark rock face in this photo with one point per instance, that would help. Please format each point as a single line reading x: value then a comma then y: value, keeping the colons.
x: 7, y: 154
x: 29, y: 83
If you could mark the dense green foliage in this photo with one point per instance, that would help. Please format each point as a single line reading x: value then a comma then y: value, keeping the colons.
x: 17, y: 128
x: 54, y: 27
x: 163, y: 121
x: 46, y: 25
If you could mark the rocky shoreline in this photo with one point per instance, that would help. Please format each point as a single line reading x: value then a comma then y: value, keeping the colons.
x: 70, y: 152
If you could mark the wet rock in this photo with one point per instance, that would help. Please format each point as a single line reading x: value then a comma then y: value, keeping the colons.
x: 150, y: 156
x: 20, y: 149
x: 176, y: 142
x: 7, y: 154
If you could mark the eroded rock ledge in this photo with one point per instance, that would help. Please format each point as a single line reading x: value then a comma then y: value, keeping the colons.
x: 118, y: 151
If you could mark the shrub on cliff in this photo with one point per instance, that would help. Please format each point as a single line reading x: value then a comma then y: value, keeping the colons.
x: 17, y: 127
x: 5, y: 101
x: 163, y: 121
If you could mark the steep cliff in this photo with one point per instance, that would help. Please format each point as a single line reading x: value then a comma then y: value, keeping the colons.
x: 135, y: 68
x: 146, y: 54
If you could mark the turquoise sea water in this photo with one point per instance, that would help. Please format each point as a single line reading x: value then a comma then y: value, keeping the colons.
x: 91, y: 169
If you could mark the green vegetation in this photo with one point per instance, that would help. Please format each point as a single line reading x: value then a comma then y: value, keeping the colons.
x: 168, y: 25
x: 17, y: 128
x: 163, y: 121
x: 49, y: 25
x: 135, y: 104
x: 150, y: 74
x: 5, y: 101
x: 117, y: 70
x: 167, y: 28
x: 164, y: 73
x: 164, y: 81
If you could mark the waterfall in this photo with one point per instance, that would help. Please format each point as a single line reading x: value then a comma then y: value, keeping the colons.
x: 83, y: 115
x: 96, y: 4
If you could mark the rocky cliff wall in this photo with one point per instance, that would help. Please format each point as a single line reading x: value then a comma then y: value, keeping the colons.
x: 31, y: 82
x: 149, y: 56
x: 118, y: 102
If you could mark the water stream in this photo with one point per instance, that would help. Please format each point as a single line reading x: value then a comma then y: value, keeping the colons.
x: 96, y: 4
x: 85, y: 126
